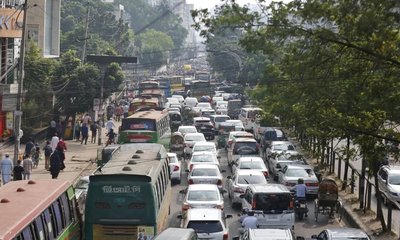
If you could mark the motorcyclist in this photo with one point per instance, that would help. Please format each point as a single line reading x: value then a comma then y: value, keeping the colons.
x: 249, y: 221
x: 300, y: 193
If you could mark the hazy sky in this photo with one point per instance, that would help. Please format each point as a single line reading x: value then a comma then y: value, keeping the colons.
x: 212, y: 3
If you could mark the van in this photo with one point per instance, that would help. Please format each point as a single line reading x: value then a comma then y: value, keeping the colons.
x: 249, y: 117
x: 274, y: 200
x: 234, y: 108
x: 242, y: 147
x: 177, y: 234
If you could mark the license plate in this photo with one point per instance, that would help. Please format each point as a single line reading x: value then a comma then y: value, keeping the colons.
x: 272, y: 216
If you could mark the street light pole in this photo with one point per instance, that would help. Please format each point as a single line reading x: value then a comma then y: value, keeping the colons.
x: 20, y: 80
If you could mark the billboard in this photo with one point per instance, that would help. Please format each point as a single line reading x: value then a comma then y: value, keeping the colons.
x: 11, y: 22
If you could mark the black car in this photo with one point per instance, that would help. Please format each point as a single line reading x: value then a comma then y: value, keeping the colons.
x: 207, y: 129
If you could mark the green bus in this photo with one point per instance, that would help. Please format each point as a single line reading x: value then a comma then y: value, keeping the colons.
x: 150, y: 126
x: 129, y: 197
x: 39, y: 209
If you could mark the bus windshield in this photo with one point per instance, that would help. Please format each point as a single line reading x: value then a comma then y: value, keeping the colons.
x: 138, y: 124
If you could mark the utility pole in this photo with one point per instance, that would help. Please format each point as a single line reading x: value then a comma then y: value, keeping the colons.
x: 86, y: 34
x: 20, y: 80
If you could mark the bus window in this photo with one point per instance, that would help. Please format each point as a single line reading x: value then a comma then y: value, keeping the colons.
x: 66, y: 209
x: 57, y: 217
x: 26, y: 234
x: 40, y: 227
x: 49, y: 224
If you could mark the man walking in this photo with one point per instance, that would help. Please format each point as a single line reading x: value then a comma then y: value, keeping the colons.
x: 6, y: 168
x: 27, y: 164
x: 55, y: 164
x: 47, y: 153
x: 110, y: 125
x: 93, y: 129
x: 85, y: 133
x: 28, y: 147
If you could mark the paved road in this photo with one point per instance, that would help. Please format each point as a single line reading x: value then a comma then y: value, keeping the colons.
x: 305, y: 228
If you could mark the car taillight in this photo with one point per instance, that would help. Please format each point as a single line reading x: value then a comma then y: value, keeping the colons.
x: 266, y: 174
x: 190, y: 181
x: 176, y: 168
x: 225, y: 236
x: 238, y: 190
x: 291, y: 204
x: 312, y: 184
x: 254, y: 204
x: 219, y: 182
x: 185, y: 207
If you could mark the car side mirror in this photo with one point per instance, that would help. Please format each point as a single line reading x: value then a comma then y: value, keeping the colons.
x: 187, y: 170
x: 314, y: 236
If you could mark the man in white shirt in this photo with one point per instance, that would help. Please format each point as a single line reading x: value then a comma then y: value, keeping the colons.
x: 110, y: 125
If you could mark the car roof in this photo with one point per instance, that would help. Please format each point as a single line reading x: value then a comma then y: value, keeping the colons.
x: 248, y: 172
x: 202, y: 187
x: 172, y: 233
x: 392, y: 169
x: 203, y: 153
x: 270, y: 234
x: 198, y: 214
x: 201, y: 118
x: 270, y: 187
x: 193, y: 134
x: 281, y: 142
x: 346, y: 232
x: 219, y: 115
x: 234, y: 120
x: 236, y: 132
x: 299, y: 166
x: 245, y: 140
x: 205, y: 144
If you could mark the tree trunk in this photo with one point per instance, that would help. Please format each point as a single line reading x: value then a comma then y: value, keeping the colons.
x: 379, y: 213
x: 346, y: 164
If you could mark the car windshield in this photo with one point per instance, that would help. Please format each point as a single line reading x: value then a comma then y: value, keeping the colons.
x: 245, y: 148
x: 251, y: 165
x: 206, y: 226
x: 272, y: 202
x: 188, y: 130
x: 299, y: 172
x: 283, y: 147
x: 221, y: 119
x: 205, y: 172
x: 203, y: 195
x: 195, y: 138
x: 204, y: 148
x: 202, y: 158
x: 394, y: 179
x: 251, y: 179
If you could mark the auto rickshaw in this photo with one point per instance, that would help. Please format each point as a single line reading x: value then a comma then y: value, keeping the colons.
x: 177, y: 144
x: 223, y: 134
x: 175, y: 120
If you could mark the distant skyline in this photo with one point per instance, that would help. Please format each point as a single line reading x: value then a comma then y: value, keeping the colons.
x: 211, y: 3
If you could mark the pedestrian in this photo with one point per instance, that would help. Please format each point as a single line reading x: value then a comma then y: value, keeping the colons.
x: 54, y: 142
x: 27, y: 164
x: 118, y: 113
x: 86, y: 119
x: 77, y: 129
x: 62, y: 145
x: 93, y: 129
x: 126, y: 110
x: 55, y: 164
x: 28, y: 147
x: 6, y: 168
x: 85, y: 133
x: 52, y: 129
x: 35, y: 155
x: 110, y: 125
x: 18, y: 170
x: 47, y: 153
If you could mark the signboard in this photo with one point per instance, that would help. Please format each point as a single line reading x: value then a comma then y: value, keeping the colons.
x: 10, y: 26
x: 9, y: 103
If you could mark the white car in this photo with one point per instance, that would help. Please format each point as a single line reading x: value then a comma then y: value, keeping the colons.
x: 203, y: 195
x: 179, y: 97
x: 174, y: 167
x: 187, y: 129
x: 202, y: 158
x: 237, y: 184
x: 290, y: 174
x: 280, y: 147
x: 206, y: 173
x: 253, y: 163
x: 216, y: 120
x: 238, y: 124
x: 204, y: 105
x: 204, y: 147
x: 190, y: 101
x: 209, y: 223
x: 190, y: 139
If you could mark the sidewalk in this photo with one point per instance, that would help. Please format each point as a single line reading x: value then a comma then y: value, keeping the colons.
x: 352, y: 215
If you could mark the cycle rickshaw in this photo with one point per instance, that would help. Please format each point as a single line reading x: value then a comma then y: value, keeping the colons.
x: 327, y: 202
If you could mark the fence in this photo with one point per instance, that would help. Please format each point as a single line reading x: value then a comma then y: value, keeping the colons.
x: 348, y: 175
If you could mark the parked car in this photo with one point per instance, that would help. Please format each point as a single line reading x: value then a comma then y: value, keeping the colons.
x: 389, y: 182
x: 209, y: 223
x: 202, y: 195
x: 190, y: 139
x: 206, y: 174
x: 202, y: 158
x: 174, y: 167
x: 341, y: 233
x: 237, y: 183
x: 290, y: 174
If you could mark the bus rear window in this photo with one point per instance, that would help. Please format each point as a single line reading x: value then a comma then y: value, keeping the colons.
x: 205, y: 226
x: 272, y: 202
x: 138, y: 124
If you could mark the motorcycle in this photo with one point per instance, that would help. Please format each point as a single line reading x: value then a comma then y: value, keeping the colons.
x: 300, y: 208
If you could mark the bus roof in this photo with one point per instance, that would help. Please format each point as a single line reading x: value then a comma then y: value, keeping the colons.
x: 153, y: 91
x: 24, y: 200
x: 135, y: 159
x: 151, y: 114
x: 143, y: 100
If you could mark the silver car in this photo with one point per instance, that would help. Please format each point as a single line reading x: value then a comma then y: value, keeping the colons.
x: 290, y: 174
x: 277, y: 162
x: 237, y: 184
x: 202, y: 158
x: 342, y: 233
x: 280, y: 147
x: 206, y: 173
x: 204, y: 196
x: 389, y: 182
x: 254, y: 163
x: 190, y: 139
